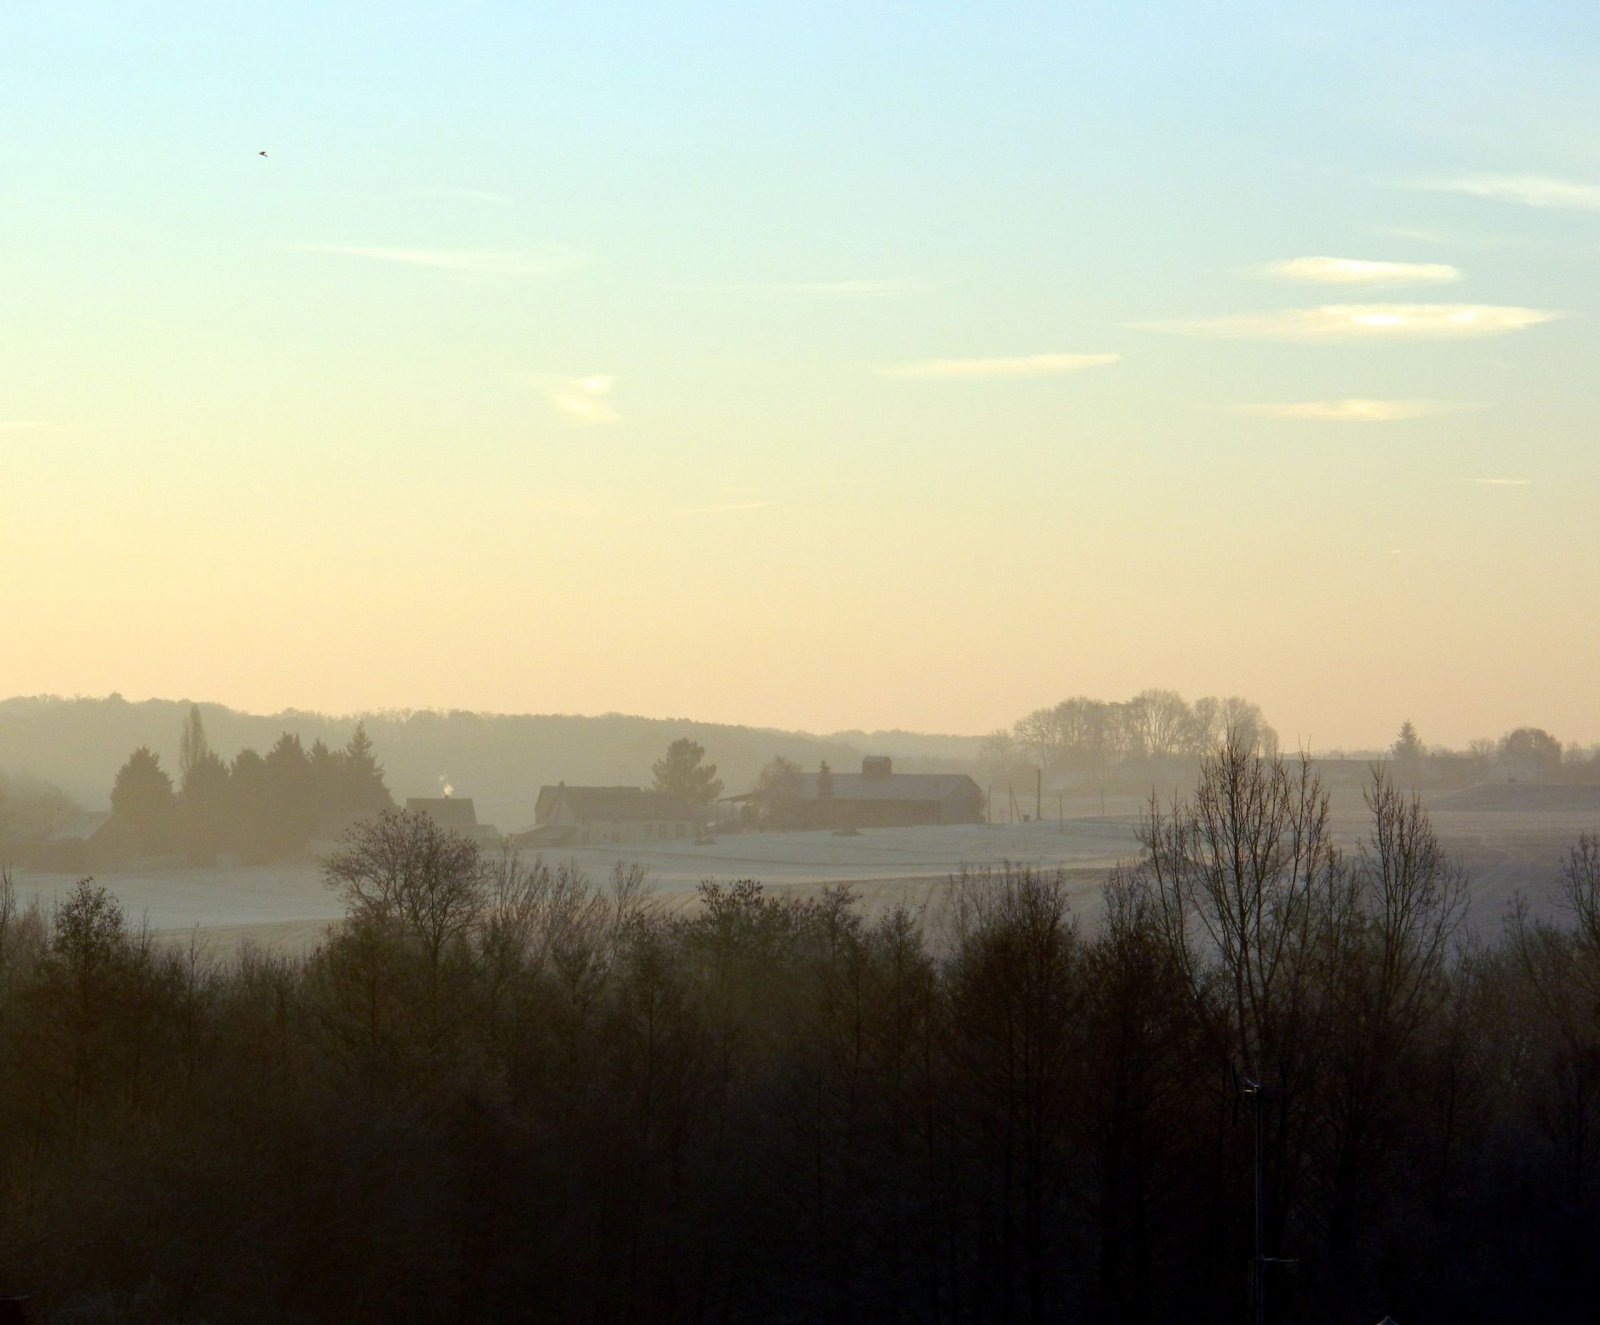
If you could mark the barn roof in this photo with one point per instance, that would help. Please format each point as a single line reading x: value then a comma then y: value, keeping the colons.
x: 79, y: 826
x: 616, y: 804
x: 894, y: 787
x: 446, y: 811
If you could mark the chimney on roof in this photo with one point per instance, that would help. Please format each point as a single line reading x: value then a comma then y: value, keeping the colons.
x: 877, y: 766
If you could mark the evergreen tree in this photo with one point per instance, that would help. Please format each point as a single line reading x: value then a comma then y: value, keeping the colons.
x: 192, y: 744
x: 364, y: 791
x: 288, y: 795
x: 205, y: 808
x: 248, y: 830
x: 324, y: 788
x: 683, y: 773
x: 1406, y: 748
x: 142, y: 800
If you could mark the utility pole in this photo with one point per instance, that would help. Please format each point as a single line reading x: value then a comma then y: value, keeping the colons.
x: 1258, y: 1278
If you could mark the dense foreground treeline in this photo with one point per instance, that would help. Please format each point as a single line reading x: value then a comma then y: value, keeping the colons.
x: 499, y: 1093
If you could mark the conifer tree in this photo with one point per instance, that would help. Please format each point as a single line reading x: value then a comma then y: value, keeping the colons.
x: 142, y: 799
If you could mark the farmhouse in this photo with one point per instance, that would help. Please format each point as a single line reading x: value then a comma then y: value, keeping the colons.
x: 583, y: 816
x: 876, y: 797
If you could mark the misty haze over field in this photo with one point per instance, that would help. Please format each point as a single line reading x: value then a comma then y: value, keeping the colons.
x: 776, y: 663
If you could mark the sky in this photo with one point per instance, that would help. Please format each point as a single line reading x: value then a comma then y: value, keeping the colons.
x: 819, y: 365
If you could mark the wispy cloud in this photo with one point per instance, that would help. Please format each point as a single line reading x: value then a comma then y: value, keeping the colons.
x: 1029, y: 365
x: 727, y: 507
x: 871, y: 288
x: 1450, y: 239
x: 1501, y: 482
x: 1355, y: 410
x: 1362, y: 322
x: 477, y: 261
x: 1529, y: 190
x: 581, y: 399
x: 1361, y: 271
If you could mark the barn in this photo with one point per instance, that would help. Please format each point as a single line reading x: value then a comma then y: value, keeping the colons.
x: 455, y: 814
x: 584, y: 816
x: 876, y: 797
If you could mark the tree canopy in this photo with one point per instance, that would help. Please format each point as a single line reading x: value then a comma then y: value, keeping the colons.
x: 683, y: 772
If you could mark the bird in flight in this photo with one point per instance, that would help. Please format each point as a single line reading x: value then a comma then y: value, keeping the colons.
x: 262, y: 152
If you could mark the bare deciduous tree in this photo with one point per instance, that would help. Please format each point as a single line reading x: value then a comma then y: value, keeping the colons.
x: 404, y: 870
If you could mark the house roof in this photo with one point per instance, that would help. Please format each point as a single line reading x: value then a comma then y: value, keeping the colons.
x: 446, y: 811
x: 614, y: 804
x: 895, y: 787
x: 79, y: 826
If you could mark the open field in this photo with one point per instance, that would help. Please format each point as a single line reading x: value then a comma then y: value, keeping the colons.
x: 288, y: 907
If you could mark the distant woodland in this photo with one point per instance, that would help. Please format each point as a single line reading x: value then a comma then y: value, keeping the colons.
x: 60, y: 754
x: 500, y: 761
x: 504, y: 1091
x: 1156, y: 733
x: 255, y: 807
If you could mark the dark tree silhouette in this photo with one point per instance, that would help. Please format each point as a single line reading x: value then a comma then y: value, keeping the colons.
x: 1530, y: 752
x: 142, y: 800
x: 683, y: 773
x: 364, y: 790
x: 192, y: 744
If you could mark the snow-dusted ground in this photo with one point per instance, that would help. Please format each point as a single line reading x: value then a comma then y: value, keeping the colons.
x: 207, y: 898
x: 289, y: 906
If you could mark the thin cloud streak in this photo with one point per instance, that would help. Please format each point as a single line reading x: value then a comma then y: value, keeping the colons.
x: 1501, y: 482
x: 479, y: 262
x: 1446, y: 238
x: 1355, y: 410
x: 1361, y: 271
x: 1030, y: 365
x: 1335, y: 322
x: 1529, y: 190
x: 845, y: 289
x: 582, y: 399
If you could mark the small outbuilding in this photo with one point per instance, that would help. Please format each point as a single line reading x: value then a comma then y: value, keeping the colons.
x: 455, y: 814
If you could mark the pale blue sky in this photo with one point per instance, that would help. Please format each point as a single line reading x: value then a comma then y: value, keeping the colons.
x: 822, y: 365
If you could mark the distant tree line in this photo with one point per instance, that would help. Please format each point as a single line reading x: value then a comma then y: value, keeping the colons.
x: 1527, y: 754
x: 500, y: 1092
x: 1123, y: 742
x: 1127, y: 743
x: 257, y: 807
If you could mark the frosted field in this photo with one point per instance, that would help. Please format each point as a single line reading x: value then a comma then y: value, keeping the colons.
x: 288, y: 906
